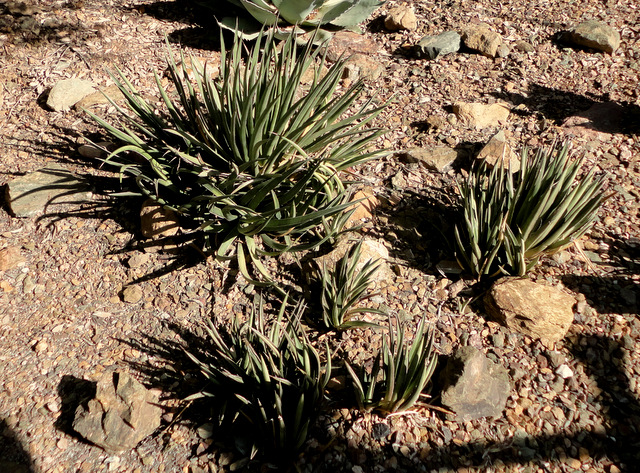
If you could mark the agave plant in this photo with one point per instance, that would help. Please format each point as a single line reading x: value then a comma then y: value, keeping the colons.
x: 400, y: 373
x: 511, y: 220
x: 267, y: 380
x: 249, y: 159
x: 287, y: 17
x: 342, y: 289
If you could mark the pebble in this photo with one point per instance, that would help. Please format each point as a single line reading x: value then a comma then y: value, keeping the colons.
x: 132, y: 294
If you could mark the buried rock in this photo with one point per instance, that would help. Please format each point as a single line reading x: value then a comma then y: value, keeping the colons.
x: 474, y: 386
x: 122, y: 413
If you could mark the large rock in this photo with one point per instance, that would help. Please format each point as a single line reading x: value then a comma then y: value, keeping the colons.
x: 479, y: 115
x: 596, y: 123
x: 362, y: 66
x: 480, y: 38
x: 99, y: 97
x: 157, y: 222
x: 432, y: 47
x: 595, y: 35
x: 30, y: 194
x: 497, y: 150
x: 401, y: 18
x: 533, y: 309
x: 435, y: 158
x: 366, y: 202
x: 347, y: 43
x: 474, y: 386
x: 66, y: 93
x: 122, y: 413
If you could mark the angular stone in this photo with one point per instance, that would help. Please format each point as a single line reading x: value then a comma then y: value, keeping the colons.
x: 66, y: 93
x: 99, y: 97
x: 432, y: 47
x: 362, y: 66
x: 157, y: 222
x: 595, y: 35
x: 122, y: 413
x: 402, y: 17
x: 480, y: 38
x: 530, y: 308
x: 436, y: 158
x: 30, y: 194
x: 10, y: 258
x: 474, y: 386
x: 364, y: 208
x: 480, y: 115
x: 348, y: 43
x: 498, y: 150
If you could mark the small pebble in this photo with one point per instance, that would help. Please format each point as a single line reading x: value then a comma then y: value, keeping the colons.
x: 564, y: 371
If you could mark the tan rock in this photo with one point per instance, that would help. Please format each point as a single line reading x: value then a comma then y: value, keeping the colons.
x: 539, y: 311
x: 435, y: 158
x: 498, y: 150
x: 402, y: 17
x: 363, y: 209
x: 480, y: 115
x: 132, y: 294
x: 595, y: 35
x: 157, y: 222
x: 480, y: 38
x: 99, y: 97
x: 10, y: 258
x: 347, y: 43
x: 362, y: 66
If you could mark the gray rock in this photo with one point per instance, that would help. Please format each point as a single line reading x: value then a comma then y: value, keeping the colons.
x: 66, y: 93
x: 122, y: 413
x: 480, y: 38
x: 474, y: 386
x: 436, y: 158
x: 401, y: 17
x: 432, y: 47
x: 30, y: 194
x: 533, y: 309
x: 595, y: 35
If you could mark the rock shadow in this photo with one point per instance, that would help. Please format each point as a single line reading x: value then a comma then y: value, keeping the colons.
x: 73, y: 393
x: 13, y: 456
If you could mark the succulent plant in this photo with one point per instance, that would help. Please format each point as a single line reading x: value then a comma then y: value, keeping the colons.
x: 511, y: 219
x: 298, y: 16
x: 249, y: 160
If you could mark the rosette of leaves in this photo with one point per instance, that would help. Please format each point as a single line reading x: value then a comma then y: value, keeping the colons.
x: 249, y: 160
x: 287, y: 17
x: 266, y: 381
x: 343, y: 289
x: 511, y: 219
x: 401, y: 371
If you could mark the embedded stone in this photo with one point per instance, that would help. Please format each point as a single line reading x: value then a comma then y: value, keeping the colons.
x: 595, y: 35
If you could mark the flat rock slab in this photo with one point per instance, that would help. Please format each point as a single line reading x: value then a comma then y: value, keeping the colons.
x: 30, y: 194
x: 347, y: 43
x: 122, y: 413
x: 479, y: 115
x: 533, y: 309
x: 598, y: 122
x: 474, y: 386
x: 497, y: 150
x: 435, y: 158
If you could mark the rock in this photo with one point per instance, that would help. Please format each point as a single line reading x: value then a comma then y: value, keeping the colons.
x: 402, y: 17
x: 480, y: 38
x: 432, y: 47
x: 474, y: 386
x: 66, y: 93
x: 564, y: 371
x: 479, y: 115
x: 30, y: 194
x: 371, y: 249
x: 22, y: 8
x: 99, y: 97
x: 533, y: 309
x: 436, y: 158
x: 498, y: 150
x: 98, y: 150
x: 348, y: 43
x: 132, y: 294
x: 364, y: 208
x: 595, y: 35
x: 157, y: 222
x: 524, y: 47
x: 596, y: 123
x: 362, y: 66
x: 122, y: 413
x: 10, y: 258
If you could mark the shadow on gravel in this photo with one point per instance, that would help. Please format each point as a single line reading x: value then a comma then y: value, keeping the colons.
x: 614, y: 440
x: 73, y: 392
x: 13, y: 456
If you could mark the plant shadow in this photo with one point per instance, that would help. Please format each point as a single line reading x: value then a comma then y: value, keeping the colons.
x: 14, y: 458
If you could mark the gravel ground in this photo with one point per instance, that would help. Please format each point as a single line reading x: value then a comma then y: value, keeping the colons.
x: 63, y: 321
